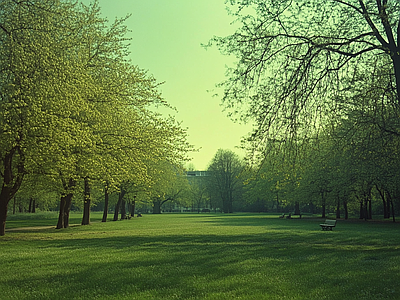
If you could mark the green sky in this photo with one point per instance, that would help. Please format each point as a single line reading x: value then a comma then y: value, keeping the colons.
x: 166, y: 37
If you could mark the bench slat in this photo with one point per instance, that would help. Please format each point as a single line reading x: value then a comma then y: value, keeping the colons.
x: 328, y: 225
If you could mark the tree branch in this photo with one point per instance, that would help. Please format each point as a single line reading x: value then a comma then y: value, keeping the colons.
x: 372, y: 25
x: 385, y: 22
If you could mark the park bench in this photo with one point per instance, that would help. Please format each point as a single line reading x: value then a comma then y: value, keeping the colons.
x: 328, y: 225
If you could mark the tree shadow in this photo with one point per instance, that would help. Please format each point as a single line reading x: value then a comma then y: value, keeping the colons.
x: 189, y: 266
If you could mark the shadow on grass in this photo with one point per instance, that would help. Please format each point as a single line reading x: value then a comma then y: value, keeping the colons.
x: 270, y: 265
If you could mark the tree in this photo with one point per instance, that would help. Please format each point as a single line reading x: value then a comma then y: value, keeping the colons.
x: 198, y: 190
x: 224, y: 178
x: 295, y: 57
x: 39, y: 86
x: 73, y: 107
x: 168, y: 183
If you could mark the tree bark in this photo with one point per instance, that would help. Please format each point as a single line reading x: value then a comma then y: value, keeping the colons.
x: 117, y: 206
x: 370, y: 208
x: 65, y: 205
x: 390, y: 203
x: 133, y: 206
x: 346, y: 211
x: 385, y: 208
x: 3, y: 214
x: 123, y: 210
x: 86, y: 205
x: 297, y: 208
x: 361, y: 210
x: 60, y: 223
x: 278, y: 209
x: 11, y: 184
x: 396, y: 66
x: 67, y: 209
x: 394, y: 218
x: 157, y: 207
x: 323, y: 205
x: 106, y: 200
x: 338, y: 208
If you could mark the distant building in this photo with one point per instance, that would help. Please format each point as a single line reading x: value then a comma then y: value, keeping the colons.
x: 197, y: 173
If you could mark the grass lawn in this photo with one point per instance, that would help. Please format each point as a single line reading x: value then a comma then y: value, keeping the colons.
x: 199, y: 256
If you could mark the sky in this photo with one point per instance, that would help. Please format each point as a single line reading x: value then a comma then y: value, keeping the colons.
x: 166, y: 40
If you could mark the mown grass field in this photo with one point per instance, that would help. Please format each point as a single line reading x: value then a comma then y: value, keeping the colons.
x: 204, y: 256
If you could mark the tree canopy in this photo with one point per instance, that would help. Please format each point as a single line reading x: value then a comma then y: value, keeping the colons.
x: 297, y: 61
x: 321, y: 81
x: 73, y: 106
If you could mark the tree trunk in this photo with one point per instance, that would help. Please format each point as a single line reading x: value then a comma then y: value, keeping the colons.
x: 394, y: 219
x: 106, y: 200
x: 361, y: 210
x: 338, y: 208
x: 396, y: 65
x: 30, y: 205
x: 60, y: 223
x: 6, y: 194
x: 385, y: 208
x: 34, y: 206
x: 157, y: 207
x: 3, y: 213
x: 118, y: 205
x: 297, y: 208
x: 67, y: 209
x: 123, y: 210
x: 11, y: 183
x: 86, y: 205
x: 346, y: 211
x: 116, y: 210
x: 65, y: 205
x: 323, y: 205
x: 277, y: 203
x: 370, y: 208
x: 133, y: 206
x: 365, y: 209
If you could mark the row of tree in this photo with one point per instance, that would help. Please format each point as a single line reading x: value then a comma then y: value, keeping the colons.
x: 75, y: 113
x: 321, y: 82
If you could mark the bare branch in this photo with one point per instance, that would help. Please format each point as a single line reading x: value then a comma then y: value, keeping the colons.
x: 350, y: 5
x: 372, y: 25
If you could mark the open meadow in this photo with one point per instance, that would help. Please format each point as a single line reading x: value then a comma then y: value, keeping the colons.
x: 199, y: 256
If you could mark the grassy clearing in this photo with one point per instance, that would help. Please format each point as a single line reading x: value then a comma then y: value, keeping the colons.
x: 205, y: 256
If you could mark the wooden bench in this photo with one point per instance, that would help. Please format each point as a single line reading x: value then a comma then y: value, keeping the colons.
x: 328, y: 225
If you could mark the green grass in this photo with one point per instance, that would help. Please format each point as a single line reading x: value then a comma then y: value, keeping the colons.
x: 204, y: 256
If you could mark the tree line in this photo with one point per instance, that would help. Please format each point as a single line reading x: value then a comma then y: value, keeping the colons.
x: 76, y: 116
x: 320, y: 81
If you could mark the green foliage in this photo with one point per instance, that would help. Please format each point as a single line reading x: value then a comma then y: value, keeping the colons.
x: 224, y: 181
x: 321, y: 81
x: 72, y: 104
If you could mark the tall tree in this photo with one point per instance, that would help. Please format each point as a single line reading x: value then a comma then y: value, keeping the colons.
x: 168, y: 183
x: 72, y: 105
x: 295, y: 57
x: 39, y: 85
x: 224, y: 178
